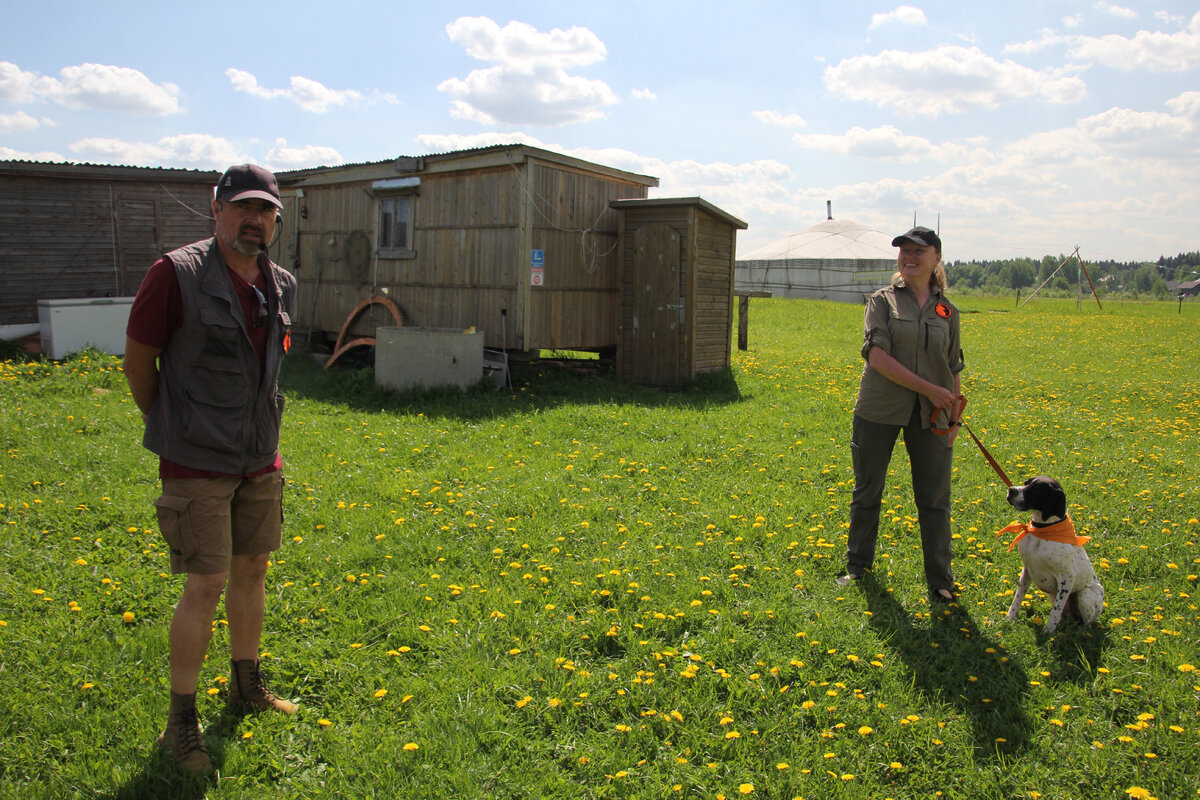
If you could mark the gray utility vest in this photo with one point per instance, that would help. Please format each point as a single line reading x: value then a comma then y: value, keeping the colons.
x: 214, y: 410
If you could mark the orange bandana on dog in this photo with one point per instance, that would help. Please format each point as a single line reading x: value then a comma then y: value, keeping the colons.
x: 1063, y: 531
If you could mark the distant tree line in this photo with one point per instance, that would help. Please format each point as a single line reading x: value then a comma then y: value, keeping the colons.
x: 1127, y: 278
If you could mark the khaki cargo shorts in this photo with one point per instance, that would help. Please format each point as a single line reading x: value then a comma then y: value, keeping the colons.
x: 206, y: 521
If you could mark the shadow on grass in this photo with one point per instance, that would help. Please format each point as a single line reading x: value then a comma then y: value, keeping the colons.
x: 953, y: 663
x: 533, y: 388
x: 160, y: 779
x: 1078, y: 649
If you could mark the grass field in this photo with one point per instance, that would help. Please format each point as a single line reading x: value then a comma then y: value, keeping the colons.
x: 582, y: 589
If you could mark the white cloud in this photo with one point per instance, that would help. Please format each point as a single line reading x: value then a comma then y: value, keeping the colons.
x: 948, y: 80
x: 905, y: 15
x: 9, y: 154
x: 310, y: 95
x: 1142, y: 133
x: 97, y: 87
x: 777, y: 118
x: 1073, y: 21
x: 882, y: 144
x: 16, y: 85
x: 1186, y: 104
x: 1121, y: 12
x: 196, y: 151
x: 20, y: 121
x: 643, y: 94
x: 1155, y: 51
x: 1048, y: 38
x: 522, y: 47
x: 283, y: 157
x: 1152, y: 50
x: 529, y: 83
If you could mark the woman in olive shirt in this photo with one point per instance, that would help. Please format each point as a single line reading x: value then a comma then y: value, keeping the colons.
x: 913, y: 359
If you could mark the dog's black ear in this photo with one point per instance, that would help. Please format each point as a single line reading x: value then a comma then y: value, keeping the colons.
x: 1056, y: 501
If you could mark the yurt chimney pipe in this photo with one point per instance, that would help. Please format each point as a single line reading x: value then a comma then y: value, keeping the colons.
x: 828, y: 209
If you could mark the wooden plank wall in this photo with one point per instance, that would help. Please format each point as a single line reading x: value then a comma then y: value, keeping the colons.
x: 328, y: 289
x: 68, y: 237
x: 713, y: 319
x: 572, y: 222
x: 470, y: 266
x: 463, y: 273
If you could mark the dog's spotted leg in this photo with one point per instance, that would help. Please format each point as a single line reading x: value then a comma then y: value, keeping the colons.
x: 1019, y: 596
x: 1060, y: 603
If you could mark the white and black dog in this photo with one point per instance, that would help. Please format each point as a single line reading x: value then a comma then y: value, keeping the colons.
x: 1052, y: 556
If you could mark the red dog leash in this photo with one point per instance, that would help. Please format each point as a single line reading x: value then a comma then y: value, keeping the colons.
x: 954, y: 414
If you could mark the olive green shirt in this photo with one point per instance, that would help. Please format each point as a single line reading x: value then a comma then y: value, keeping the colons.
x: 924, y: 340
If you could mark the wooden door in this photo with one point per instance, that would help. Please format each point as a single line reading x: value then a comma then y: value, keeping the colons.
x: 657, y: 306
x: 138, y: 242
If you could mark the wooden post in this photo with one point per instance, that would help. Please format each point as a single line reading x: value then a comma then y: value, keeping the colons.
x: 743, y: 321
x: 743, y: 296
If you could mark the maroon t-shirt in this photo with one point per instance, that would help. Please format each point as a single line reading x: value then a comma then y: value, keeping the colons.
x: 157, y: 312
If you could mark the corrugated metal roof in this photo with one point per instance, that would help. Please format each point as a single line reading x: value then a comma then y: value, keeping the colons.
x: 831, y: 239
x: 81, y: 169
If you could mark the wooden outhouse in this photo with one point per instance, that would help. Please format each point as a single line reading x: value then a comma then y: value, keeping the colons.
x: 676, y: 289
x: 91, y: 231
x: 518, y: 242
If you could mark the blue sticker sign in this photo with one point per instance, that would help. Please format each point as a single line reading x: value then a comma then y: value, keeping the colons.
x: 537, y: 264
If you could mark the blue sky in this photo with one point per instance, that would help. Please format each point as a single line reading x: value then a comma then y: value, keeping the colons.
x: 1021, y: 128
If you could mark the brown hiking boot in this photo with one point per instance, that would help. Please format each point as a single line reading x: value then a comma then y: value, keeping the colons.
x: 247, y: 691
x: 182, y: 738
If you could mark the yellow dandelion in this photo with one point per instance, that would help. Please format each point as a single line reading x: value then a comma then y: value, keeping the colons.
x: 411, y: 746
x: 1138, y: 793
x: 746, y: 788
x: 381, y: 693
x: 324, y: 723
x: 127, y: 617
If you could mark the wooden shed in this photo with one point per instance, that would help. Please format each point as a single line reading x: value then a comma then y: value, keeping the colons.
x: 91, y: 231
x: 676, y: 289
x: 519, y: 242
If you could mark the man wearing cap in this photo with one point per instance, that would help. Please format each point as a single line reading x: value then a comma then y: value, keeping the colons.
x: 207, y: 333
x: 913, y: 354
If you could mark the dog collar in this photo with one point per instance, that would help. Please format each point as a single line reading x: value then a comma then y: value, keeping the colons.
x: 1062, y: 531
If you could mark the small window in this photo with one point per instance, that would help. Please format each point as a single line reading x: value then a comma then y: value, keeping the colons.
x: 395, y: 225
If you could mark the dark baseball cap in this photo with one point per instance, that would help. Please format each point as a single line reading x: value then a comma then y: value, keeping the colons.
x: 921, y: 236
x: 246, y: 181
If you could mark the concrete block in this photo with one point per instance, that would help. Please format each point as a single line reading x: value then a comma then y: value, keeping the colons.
x: 411, y: 358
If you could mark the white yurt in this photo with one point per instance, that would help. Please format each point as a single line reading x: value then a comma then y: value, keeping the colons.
x: 832, y: 260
